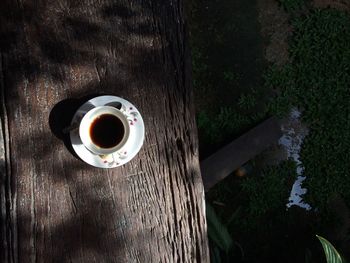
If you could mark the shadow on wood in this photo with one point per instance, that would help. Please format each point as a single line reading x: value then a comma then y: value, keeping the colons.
x: 56, y: 208
x: 61, y: 116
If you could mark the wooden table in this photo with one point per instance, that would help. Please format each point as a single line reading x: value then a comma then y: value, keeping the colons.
x: 55, y: 208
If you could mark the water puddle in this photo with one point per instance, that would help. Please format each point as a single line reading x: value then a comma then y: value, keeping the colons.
x: 294, y: 133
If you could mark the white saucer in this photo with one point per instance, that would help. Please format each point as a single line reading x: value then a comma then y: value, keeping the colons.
x: 132, y: 146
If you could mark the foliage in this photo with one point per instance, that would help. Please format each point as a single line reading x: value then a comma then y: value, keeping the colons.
x: 217, y: 231
x: 247, y: 101
x: 270, y: 190
x: 228, y: 122
x: 317, y: 81
x: 221, y: 241
x: 256, y: 200
x: 281, y: 81
x: 230, y: 76
x: 227, y: 63
x: 199, y: 67
x: 292, y: 5
x: 332, y: 255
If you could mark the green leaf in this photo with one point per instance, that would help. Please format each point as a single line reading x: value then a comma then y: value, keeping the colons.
x: 217, y: 231
x: 234, y: 216
x: 215, y: 255
x: 331, y: 253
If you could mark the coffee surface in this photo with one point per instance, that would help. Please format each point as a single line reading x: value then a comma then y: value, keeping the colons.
x: 107, y: 131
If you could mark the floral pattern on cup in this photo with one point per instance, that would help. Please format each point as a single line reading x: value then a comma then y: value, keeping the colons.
x: 130, y: 113
x: 114, y: 158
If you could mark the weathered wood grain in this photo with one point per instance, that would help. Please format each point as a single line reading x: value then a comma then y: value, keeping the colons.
x: 7, y: 230
x: 56, y: 208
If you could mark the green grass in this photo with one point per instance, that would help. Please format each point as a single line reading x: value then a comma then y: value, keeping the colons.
x: 292, y: 5
x: 270, y: 190
x: 228, y: 122
x: 318, y: 82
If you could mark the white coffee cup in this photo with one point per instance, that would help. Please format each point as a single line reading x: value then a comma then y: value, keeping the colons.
x: 87, y: 137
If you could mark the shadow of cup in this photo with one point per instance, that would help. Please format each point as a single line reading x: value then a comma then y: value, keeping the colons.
x: 61, y: 116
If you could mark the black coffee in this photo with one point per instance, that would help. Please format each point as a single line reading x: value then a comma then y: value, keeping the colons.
x: 107, y: 131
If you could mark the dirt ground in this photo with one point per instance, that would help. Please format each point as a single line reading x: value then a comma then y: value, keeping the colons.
x: 275, y: 29
x: 337, y: 4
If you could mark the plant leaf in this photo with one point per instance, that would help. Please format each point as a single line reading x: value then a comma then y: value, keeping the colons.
x: 215, y: 255
x: 217, y: 231
x: 331, y: 253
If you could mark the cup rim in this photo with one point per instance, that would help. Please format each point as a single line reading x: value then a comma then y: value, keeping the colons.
x: 89, y: 117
